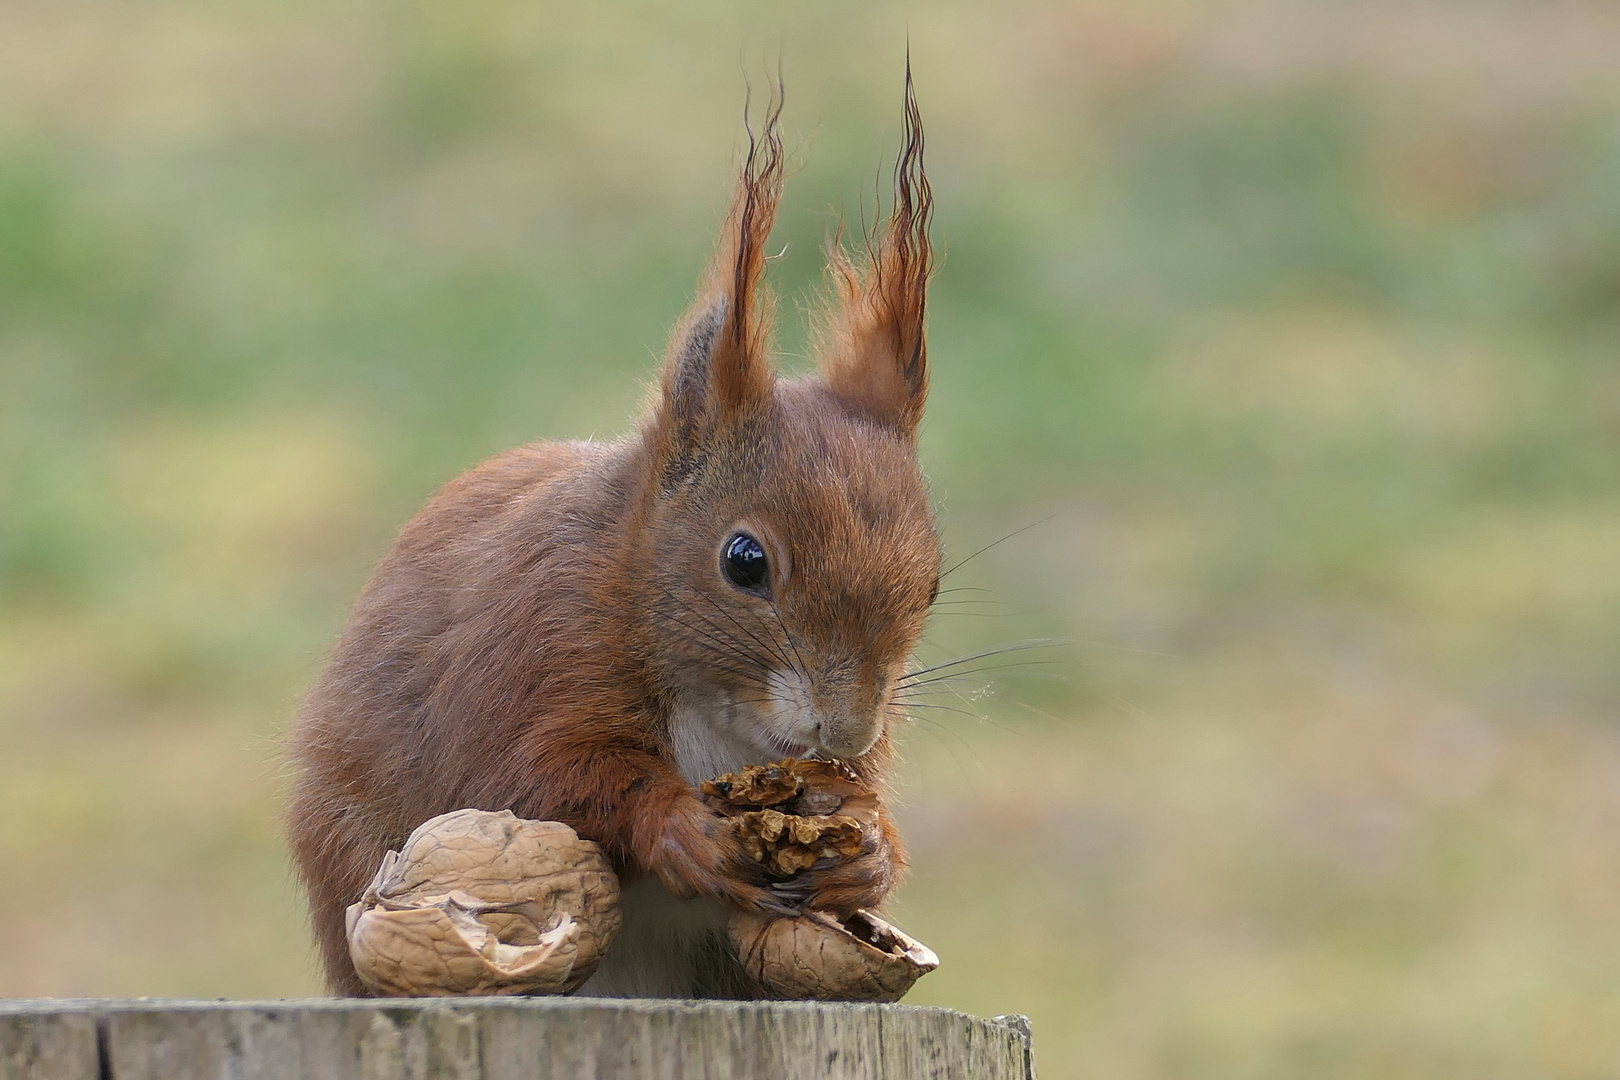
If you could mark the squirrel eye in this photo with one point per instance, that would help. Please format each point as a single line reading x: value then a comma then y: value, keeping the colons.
x: 743, y: 562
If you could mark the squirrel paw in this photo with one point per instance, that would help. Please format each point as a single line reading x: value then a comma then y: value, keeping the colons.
x: 699, y: 855
x: 844, y: 886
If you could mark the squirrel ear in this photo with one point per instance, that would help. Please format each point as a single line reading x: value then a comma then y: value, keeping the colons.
x: 872, y: 345
x: 718, y: 364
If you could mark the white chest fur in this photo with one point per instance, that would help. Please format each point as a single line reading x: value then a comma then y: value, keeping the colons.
x: 706, y: 744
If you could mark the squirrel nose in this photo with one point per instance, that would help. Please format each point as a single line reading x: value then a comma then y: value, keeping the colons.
x: 847, y: 736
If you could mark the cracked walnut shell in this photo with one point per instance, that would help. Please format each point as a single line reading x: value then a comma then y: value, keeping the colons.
x: 477, y: 902
x: 817, y: 957
x: 792, y: 814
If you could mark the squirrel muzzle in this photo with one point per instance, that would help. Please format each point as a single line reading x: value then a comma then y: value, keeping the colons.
x: 844, y: 734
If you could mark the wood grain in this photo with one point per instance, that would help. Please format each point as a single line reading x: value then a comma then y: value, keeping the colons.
x: 504, y: 1039
x: 48, y: 1045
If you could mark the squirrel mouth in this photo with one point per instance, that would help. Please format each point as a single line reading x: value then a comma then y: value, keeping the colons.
x: 787, y: 747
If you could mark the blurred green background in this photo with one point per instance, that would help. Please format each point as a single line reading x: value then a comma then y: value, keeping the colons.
x: 1295, y: 323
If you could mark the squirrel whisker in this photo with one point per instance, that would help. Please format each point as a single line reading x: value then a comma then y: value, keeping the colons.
x: 774, y: 652
x: 1017, y: 646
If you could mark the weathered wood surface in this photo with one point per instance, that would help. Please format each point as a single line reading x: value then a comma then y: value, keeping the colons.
x: 503, y: 1039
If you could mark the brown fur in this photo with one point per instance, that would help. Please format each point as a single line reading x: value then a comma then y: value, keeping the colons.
x: 534, y: 629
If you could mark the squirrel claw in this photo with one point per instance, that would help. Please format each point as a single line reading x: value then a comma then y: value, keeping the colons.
x: 794, y: 892
x: 784, y: 911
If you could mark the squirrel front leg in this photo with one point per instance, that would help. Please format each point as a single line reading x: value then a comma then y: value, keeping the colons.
x: 651, y: 820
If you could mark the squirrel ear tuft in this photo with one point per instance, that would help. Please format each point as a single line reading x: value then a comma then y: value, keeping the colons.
x: 718, y: 363
x: 872, y: 345
x: 689, y: 374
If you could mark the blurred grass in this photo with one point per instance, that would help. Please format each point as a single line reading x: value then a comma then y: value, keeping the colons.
x: 1297, y: 322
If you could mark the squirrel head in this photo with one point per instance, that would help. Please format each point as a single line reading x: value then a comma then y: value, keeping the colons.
x: 785, y: 551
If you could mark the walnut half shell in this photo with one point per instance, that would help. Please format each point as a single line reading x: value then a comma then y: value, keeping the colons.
x: 818, y: 958
x: 485, y: 903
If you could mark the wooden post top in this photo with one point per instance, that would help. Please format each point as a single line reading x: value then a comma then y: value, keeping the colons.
x: 503, y: 1039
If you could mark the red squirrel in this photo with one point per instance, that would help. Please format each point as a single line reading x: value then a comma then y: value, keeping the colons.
x: 584, y: 631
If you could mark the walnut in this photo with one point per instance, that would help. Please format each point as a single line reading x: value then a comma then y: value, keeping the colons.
x: 757, y: 785
x: 485, y: 903
x: 820, y: 958
x: 792, y: 814
x: 787, y: 844
x: 809, y: 787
